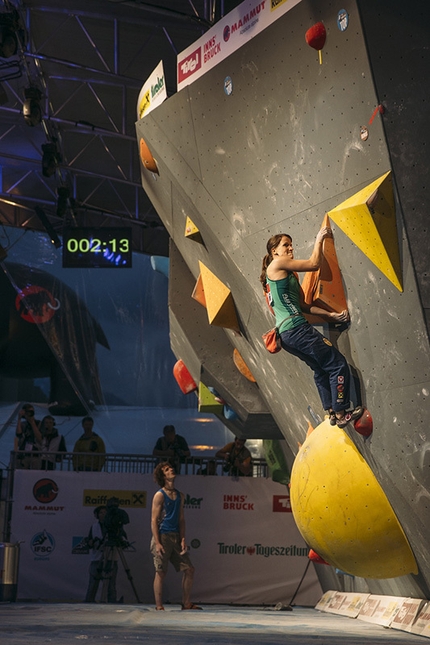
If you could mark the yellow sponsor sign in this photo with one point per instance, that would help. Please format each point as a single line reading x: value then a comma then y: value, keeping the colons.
x: 274, y: 4
x: 127, y: 498
x: 144, y: 104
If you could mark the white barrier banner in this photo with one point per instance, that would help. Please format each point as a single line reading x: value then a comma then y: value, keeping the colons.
x: 227, y: 35
x: 153, y: 92
x: 242, y: 537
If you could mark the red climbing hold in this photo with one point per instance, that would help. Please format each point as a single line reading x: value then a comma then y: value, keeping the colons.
x: 183, y: 377
x: 315, y: 37
x: 364, y: 425
x: 312, y: 555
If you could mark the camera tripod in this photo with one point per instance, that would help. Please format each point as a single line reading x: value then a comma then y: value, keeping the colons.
x: 110, y: 559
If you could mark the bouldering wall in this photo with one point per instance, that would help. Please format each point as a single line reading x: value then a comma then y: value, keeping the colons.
x: 298, y: 135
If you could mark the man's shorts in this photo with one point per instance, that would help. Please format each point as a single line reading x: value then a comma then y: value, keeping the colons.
x: 172, y: 553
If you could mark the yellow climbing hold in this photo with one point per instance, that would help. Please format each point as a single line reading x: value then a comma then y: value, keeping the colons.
x: 192, y: 232
x: 368, y: 218
x: 341, y: 510
x: 219, y: 300
x: 207, y: 401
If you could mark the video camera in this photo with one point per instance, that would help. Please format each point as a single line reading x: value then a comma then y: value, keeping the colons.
x: 113, y: 524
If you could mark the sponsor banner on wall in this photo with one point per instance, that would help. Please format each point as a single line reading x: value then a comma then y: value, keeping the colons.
x: 241, y: 534
x: 153, y: 92
x: 226, y: 36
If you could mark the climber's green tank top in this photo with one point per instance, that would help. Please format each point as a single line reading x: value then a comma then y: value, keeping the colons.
x: 285, y: 301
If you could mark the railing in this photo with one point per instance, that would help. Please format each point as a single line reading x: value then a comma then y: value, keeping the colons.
x: 122, y: 463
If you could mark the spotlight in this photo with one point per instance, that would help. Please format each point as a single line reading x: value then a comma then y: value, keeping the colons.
x: 63, y: 200
x: 31, y: 107
x: 47, y: 226
x: 10, y: 29
x: 50, y: 159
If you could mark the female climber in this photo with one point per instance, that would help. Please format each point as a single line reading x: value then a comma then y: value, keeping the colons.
x: 298, y: 337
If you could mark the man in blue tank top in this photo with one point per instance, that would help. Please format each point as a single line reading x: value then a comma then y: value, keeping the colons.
x: 168, y: 536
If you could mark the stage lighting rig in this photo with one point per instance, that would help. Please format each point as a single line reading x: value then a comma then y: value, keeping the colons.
x: 11, y: 34
x: 63, y: 200
x: 47, y: 226
x: 31, y: 107
x: 51, y: 158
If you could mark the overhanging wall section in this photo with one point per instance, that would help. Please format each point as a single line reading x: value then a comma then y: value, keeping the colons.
x: 282, y: 149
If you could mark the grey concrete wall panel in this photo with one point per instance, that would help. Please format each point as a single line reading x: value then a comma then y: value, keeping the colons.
x: 208, y: 355
x: 275, y: 155
x: 400, y: 61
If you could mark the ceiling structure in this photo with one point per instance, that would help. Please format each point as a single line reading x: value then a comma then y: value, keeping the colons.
x: 68, y: 100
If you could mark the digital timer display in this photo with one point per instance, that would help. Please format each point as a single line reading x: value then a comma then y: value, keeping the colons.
x: 100, y: 248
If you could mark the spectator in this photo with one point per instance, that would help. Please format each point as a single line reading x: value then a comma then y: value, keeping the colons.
x: 172, y: 447
x: 238, y: 458
x: 51, y: 442
x: 89, y: 442
x: 28, y: 438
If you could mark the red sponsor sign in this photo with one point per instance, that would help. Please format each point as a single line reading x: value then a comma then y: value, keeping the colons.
x: 189, y: 65
x: 281, y: 504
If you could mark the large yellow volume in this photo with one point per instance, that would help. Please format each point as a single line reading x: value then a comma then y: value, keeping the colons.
x: 368, y: 218
x: 341, y: 510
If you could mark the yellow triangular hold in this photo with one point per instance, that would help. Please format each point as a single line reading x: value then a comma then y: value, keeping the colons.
x: 198, y: 292
x: 368, y: 218
x: 207, y: 401
x: 192, y: 232
x: 219, y: 301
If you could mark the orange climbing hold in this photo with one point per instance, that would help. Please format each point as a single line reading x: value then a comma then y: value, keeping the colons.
x: 324, y: 288
x: 146, y: 157
x: 242, y: 366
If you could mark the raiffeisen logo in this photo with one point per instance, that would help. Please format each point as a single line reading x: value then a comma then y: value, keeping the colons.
x: 237, y: 503
x: 193, y: 503
x: 274, y: 4
x: 189, y: 65
x: 42, y: 544
x: 262, y: 550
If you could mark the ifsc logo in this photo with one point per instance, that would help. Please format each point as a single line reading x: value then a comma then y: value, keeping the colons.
x: 42, y: 544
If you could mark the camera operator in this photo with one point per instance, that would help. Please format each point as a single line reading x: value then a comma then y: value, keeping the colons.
x: 238, y: 460
x: 114, y: 524
x: 28, y: 438
x: 106, y: 536
x: 173, y: 447
x: 96, y: 540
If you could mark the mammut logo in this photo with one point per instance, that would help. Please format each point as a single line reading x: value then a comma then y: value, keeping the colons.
x: 45, y: 491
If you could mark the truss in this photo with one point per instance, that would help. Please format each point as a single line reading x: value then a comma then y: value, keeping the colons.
x: 89, y: 61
